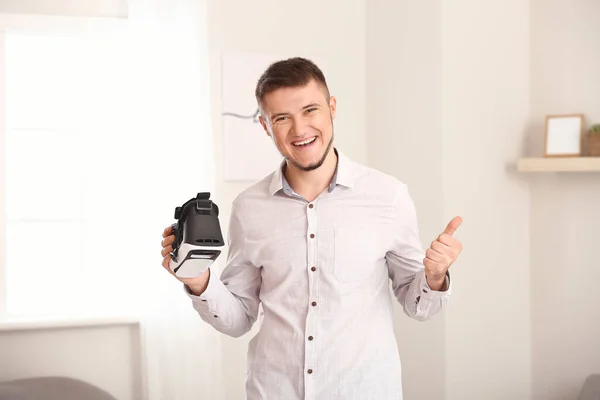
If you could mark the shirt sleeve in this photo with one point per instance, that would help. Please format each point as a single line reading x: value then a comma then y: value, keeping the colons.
x: 405, y: 264
x: 230, y: 303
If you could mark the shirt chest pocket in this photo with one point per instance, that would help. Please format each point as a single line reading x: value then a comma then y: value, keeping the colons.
x: 358, y: 253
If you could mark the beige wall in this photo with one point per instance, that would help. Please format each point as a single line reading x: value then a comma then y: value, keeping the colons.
x: 404, y: 132
x: 448, y: 96
x: 485, y: 108
x: 332, y: 30
x: 2, y: 178
x: 469, y: 73
x: 565, y: 67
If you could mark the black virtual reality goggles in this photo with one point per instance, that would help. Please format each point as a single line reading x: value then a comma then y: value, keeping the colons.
x: 198, y: 237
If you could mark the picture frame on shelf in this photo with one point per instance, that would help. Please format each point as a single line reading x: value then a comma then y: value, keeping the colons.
x: 564, y: 135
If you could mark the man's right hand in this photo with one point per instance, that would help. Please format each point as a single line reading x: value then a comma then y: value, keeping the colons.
x: 198, y: 284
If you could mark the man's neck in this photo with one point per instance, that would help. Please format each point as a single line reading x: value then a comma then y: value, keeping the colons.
x: 310, y: 184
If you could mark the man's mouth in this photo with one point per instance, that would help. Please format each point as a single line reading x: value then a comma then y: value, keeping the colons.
x: 305, y: 142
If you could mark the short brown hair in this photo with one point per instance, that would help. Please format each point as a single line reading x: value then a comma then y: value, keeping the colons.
x: 291, y: 72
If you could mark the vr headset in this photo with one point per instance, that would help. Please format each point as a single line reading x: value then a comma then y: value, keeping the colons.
x: 198, y: 237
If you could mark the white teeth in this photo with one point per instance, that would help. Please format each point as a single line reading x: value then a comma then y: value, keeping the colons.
x: 305, y: 142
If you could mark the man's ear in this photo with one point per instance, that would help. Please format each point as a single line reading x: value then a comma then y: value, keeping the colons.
x: 264, y: 124
x: 332, y: 106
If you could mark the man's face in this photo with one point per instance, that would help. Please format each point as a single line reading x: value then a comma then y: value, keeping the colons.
x: 300, y: 122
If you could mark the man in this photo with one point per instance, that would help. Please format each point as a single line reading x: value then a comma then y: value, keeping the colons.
x: 317, y: 243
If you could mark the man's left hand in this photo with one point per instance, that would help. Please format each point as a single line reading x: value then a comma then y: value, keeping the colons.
x: 441, y: 254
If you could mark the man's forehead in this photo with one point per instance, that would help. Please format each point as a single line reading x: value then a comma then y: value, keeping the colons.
x: 294, y: 98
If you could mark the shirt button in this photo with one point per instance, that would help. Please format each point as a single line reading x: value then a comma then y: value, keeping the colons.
x: 424, y: 290
x: 314, y: 303
x: 312, y: 235
x: 216, y: 316
x: 310, y: 338
x: 313, y: 269
x: 310, y: 206
x: 309, y: 371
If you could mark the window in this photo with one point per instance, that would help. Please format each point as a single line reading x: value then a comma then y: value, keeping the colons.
x: 63, y: 161
x: 107, y: 129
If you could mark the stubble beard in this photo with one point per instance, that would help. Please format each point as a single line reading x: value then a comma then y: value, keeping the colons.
x: 307, y: 168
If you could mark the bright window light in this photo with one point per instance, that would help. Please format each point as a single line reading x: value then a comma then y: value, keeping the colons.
x: 64, y: 113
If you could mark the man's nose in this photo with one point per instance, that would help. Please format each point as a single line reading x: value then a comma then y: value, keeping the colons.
x: 298, y: 127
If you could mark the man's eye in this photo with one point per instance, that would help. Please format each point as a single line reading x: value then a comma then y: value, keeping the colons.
x: 280, y: 119
x: 311, y: 110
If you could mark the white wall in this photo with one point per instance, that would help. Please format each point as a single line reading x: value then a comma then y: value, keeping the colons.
x: 332, y: 30
x: 96, y: 8
x: 106, y: 356
x: 564, y: 213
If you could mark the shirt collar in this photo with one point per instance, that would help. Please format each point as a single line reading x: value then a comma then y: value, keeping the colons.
x: 342, y: 176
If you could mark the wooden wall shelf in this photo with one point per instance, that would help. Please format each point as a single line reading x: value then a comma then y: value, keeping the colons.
x: 559, y: 164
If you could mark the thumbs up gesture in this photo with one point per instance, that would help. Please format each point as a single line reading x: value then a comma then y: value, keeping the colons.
x: 441, y: 254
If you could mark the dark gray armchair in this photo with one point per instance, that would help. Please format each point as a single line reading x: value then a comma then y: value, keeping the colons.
x: 591, y: 388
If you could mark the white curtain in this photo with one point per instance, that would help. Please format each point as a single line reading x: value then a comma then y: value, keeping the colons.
x: 131, y: 107
x: 170, y: 141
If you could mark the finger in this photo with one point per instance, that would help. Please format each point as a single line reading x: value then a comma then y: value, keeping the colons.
x: 440, y: 247
x: 430, y: 264
x: 453, y: 226
x: 166, y: 250
x: 451, y: 251
x: 166, y: 262
x: 167, y: 241
x: 454, y: 245
x: 447, y: 240
x: 435, y: 256
x: 167, y: 231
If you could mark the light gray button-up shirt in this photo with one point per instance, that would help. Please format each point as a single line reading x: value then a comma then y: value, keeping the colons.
x: 322, y: 270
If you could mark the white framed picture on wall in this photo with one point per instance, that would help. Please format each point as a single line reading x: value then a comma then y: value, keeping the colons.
x: 564, y: 134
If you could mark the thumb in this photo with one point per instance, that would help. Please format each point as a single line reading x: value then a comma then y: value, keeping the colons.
x: 453, y: 226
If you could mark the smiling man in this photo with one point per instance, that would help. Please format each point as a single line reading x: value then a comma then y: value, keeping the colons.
x: 317, y: 243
